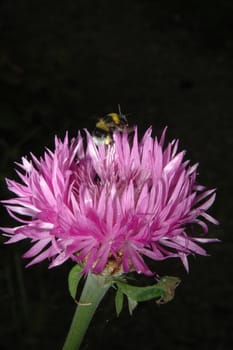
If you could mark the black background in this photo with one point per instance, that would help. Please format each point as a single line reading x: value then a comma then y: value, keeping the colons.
x: 166, y: 63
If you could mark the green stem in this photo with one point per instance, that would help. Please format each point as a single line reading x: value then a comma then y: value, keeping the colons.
x: 92, y: 294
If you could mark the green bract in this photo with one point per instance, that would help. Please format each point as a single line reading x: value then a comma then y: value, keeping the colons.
x: 162, y: 292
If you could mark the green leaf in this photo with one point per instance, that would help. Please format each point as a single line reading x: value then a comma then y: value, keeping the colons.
x: 132, y: 304
x: 74, y: 277
x: 140, y: 293
x: 119, y: 298
x: 164, y: 290
x: 168, y: 284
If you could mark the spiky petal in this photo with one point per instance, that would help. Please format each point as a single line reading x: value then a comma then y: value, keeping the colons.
x: 99, y: 204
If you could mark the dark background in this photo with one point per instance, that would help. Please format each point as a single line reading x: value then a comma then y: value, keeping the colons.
x: 166, y: 63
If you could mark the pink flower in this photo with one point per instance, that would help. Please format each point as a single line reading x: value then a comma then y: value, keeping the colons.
x: 108, y: 207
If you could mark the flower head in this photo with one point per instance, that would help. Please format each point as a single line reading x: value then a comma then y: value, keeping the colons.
x: 108, y: 207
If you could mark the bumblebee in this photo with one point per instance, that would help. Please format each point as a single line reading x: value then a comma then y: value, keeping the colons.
x: 106, y: 125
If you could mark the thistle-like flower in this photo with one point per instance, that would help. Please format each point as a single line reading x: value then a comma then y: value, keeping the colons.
x: 108, y: 207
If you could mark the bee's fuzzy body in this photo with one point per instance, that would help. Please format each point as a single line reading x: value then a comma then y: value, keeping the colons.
x: 106, y: 125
